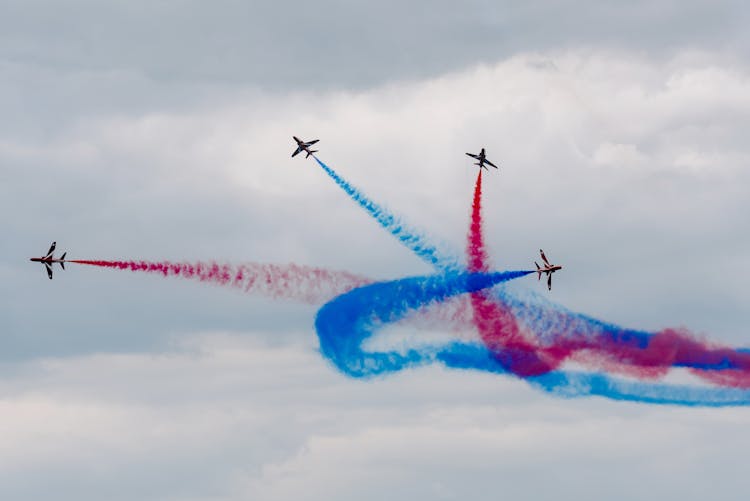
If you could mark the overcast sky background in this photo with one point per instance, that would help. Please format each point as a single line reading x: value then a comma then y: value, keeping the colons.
x: 162, y: 130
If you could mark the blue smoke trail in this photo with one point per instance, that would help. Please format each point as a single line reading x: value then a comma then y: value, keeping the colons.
x: 344, y: 323
x: 407, y: 236
x: 582, y: 384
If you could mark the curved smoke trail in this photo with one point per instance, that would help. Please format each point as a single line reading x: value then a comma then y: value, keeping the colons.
x: 345, y: 322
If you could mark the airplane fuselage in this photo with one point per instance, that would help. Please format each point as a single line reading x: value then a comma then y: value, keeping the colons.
x: 550, y: 269
x: 49, y: 259
x: 46, y: 260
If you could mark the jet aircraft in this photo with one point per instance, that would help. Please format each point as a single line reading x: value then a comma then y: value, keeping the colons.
x: 549, y: 269
x: 482, y: 159
x: 304, y: 146
x: 49, y: 259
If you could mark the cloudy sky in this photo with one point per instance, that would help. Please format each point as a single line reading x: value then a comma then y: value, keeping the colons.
x: 162, y: 130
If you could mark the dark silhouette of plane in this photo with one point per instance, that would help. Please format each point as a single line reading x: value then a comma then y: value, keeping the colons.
x: 304, y: 146
x: 49, y: 259
x: 549, y: 269
x: 482, y: 159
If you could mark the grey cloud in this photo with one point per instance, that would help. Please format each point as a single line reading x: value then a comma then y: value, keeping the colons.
x: 334, y: 43
x: 228, y: 417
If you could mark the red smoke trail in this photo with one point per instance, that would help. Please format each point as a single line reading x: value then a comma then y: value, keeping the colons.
x: 475, y: 249
x: 495, y: 321
x: 292, y: 282
x: 522, y: 354
x: 301, y: 283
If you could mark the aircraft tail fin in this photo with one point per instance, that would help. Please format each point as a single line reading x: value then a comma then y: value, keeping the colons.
x: 310, y: 152
x: 62, y: 260
x: 538, y: 271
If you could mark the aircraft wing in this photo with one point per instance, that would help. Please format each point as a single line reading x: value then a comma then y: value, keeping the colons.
x: 310, y: 143
x: 49, y: 270
x: 544, y: 258
x: 51, y: 249
x: 490, y: 163
x: 473, y: 155
x: 299, y: 148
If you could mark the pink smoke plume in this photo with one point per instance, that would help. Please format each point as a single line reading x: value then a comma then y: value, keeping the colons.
x: 290, y: 281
